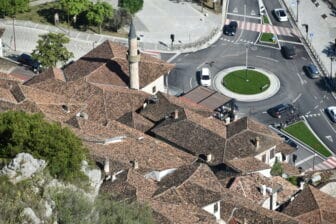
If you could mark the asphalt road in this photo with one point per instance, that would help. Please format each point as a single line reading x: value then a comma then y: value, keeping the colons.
x: 310, y: 97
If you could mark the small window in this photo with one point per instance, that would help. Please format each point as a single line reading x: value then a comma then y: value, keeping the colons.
x: 216, y: 208
x: 272, y: 154
x: 264, y: 158
x: 154, y: 89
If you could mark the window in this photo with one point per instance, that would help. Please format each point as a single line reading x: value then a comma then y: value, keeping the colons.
x: 216, y: 208
x: 154, y: 89
x: 272, y: 153
x: 263, y: 158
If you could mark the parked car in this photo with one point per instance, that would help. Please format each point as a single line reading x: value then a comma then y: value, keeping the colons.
x: 231, y: 28
x: 331, y: 111
x: 288, y: 51
x: 311, y: 71
x: 280, y: 109
x: 280, y: 15
x: 28, y: 60
x: 205, y: 79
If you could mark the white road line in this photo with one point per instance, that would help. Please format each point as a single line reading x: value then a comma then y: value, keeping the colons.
x: 323, y: 115
x: 172, y: 58
x: 301, y: 80
x: 235, y: 14
x: 308, y: 112
x: 200, y: 65
x: 242, y: 28
x: 190, y: 83
x: 270, y: 59
x: 290, y: 42
x: 297, y: 98
x: 316, y: 107
x: 264, y: 112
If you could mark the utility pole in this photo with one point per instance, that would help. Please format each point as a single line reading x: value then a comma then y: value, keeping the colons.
x: 246, y: 62
x: 14, y: 33
x: 297, y: 10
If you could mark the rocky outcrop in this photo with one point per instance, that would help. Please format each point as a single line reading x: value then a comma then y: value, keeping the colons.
x: 30, y: 216
x: 22, y: 167
x: 95, y: 177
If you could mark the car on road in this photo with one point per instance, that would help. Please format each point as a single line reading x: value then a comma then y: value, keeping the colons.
x: 205, y: 78
x: 311, y: 71
x: 280, y: 109
x: 280, y: 15
x: 331, y: 111
x: 231, y: 28
x: 28, y: 60
x: 288, y: 51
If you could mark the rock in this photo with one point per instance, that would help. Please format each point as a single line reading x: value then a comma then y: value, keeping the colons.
x: 94, y: 176
x: 22, y: 167
x: 48, y: 208
x: 31, y: 216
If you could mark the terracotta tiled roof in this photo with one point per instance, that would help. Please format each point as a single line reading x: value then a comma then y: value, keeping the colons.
x: 234, y: 206
x: 290, y: 170
x: 136, y: 121
x: 285, y: 148
x: 50, y: 73
x: 107, y: 64
x: 247, y: 165
x: 313, y: 206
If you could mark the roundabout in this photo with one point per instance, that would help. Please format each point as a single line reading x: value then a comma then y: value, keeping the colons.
x: 253, y: 84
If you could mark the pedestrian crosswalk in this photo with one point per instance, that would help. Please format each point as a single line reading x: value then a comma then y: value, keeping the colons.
x: 330, y: 163
x: 265, y: 28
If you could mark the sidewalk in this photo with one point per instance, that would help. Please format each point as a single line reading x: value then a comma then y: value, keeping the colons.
x: 155, y: 23
x: 322, y: 32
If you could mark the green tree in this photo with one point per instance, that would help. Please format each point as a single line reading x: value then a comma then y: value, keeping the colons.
x: 74, y: 7
x: 50, y: 49
x: 132, y: 5
x: 277, y: 168
x: 12, y: 7
x: 22, y: 132
x: 98, y: 13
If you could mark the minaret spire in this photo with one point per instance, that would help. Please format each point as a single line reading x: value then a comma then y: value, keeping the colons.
x: 133, y: 58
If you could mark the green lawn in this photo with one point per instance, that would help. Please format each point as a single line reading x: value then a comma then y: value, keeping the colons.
x: 250, y: 82
x: 265, y: 19
x: 301, y: 132
x: 267, y: 37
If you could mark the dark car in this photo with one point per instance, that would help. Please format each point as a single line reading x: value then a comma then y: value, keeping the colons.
x: 231, y: 29
x: 28, y: 60
x: 311, y: 71
x: 288, y: 51
x: 280, y: 109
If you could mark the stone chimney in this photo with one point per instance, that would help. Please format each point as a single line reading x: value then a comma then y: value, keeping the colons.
x: 176, y: 114
x: 107, y: 166
x: 133, y: 58
x: 257, y: 142
x: 209, y: 157
x: 263, y: 189
x: 135, y: 164
x: 274, y: 198
x: 302, y: 183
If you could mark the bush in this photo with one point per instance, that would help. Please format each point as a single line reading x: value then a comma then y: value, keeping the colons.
x: 22, y: 132
x: 131, y: 5
x: 121, y: 18
x: 277, y: 169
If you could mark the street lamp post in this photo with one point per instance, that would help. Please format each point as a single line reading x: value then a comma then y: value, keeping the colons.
x: 332, y: 59
x: 246, y: 62
x: 297, y: 10
x: 14, y: 33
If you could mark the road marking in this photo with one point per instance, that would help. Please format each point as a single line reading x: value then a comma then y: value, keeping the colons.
x: 290, y: 42
x: 235, y: 10
x: 186, y: 55
x: 297, y: 98
x: 270, y: 59
x: 200, y: 65
x: 324, y: 116
x: 301, y: 80
x: 316, y: 107
x: 242, y: 28
x: 329, y: 138
x: 253, y: 13
x: 172, y: 58
x: 264, y: 112
x: 190, y: 83
x: 315, y: 97
x: 308, y: 112
x: 235, y: 14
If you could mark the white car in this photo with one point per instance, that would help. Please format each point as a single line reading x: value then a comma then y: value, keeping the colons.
x: 205, y: 77
x: 281, y: 15
x: 332, y: 113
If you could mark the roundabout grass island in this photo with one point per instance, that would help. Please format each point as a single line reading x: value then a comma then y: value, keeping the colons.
x: 246, y: 82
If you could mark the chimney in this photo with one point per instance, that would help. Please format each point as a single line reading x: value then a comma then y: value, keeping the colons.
x: 133, y: 58
x: 263, y: 189
x: 209, y: 157
x: 302, y: 185
x: 176, y: 114
x: 107, y: 166
x: 227, y: 120
x: 257, y: 142
x: 135, y: 165
x: 274, y: 198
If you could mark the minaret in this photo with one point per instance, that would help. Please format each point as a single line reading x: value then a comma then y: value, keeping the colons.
x: 133, y: 58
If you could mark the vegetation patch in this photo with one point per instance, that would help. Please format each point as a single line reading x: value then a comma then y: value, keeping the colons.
x: 300, y: 131
x: 265, y: 19
x: 246, y: 81
x: 267, y: 37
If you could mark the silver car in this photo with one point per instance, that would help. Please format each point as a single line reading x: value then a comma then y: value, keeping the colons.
x: 281, y: 15
x: 332, y: 113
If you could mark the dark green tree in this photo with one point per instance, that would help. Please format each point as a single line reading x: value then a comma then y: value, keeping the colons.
x: 50, y: 49
x: 98, y: 13
x: 132, y: 5
x: 277, y: 168
x: 74, y: 7
x: 12, y: 7
x: 22, y: 132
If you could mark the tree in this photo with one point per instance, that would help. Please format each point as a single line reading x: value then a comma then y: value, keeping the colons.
x: 12, y: 7
x: 98, y: 13
x: 277, y: 169
x: 132, y: 5
x: 120, y: 18
x: 22, y: 132
x: 74, y: 7
x: 50, y: 49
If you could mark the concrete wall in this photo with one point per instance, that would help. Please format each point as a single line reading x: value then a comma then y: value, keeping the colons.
x: 158, y: 83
